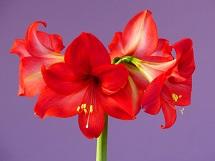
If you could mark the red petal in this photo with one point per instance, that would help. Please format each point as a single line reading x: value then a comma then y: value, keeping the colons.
x: 123, y: 104
x: 85, y: 53
x: 149, y: 79
x: 31, y: 81
x: 60, y: 78
x: 185, y: 56
x: 54, y: 104
x: 41, y: 44
x: 112, y: 77
x: 19, y: 47
x: 153, y: 107
x: 138, y: 77
x: 178, y: 87
x: 38, y: 48
x: 116, y: 46
x: 140, y: 35
x: 92, y: 124
x: 181, y: 90
x: 151, y: 70
x: 163, y: 51
x: 152, y: 94
x: 53, y: 42
x: 169, y: 114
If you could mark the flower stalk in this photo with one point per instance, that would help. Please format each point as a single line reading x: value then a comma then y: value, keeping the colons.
x: 101, y: 149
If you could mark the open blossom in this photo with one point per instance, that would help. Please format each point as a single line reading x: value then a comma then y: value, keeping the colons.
x: 144, y: 74
x: 87, y: 85
x: 138, y: 46
x: 177, y: 85
x: 151, y: 65
x: 36, y: 49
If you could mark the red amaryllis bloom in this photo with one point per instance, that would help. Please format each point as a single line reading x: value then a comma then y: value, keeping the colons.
x: 36, y: 49
x: 87, y: 84
x: 138, y: 46
x: 176, y: 85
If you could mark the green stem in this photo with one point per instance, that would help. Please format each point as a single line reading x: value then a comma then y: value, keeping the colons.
x: 101, y: 149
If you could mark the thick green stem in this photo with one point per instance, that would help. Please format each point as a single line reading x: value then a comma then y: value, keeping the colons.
x: 101, y: 149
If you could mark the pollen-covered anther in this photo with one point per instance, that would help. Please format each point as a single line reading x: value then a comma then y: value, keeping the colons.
x: 91, y: 108
x: 84, y: 108
x: 175, y: 97
x: 78, y: 109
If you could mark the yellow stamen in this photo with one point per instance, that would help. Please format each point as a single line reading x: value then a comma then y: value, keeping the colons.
x: 83, y: 106
x: 175, y: 97
x: 91, y: 108
x: 78, y: 108
x: 85, y: 110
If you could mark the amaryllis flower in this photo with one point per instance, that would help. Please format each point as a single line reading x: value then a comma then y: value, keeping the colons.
x: 177, y: 85
x: 36, y: 49
x: 153, y: 68
x: 138, y: 46
x: 87, y: 85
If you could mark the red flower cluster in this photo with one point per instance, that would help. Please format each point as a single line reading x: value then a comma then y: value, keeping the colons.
x: 139, y: 71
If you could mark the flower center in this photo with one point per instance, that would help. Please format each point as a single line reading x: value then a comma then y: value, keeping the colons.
x: 95, y: 79
x: 91, y: 79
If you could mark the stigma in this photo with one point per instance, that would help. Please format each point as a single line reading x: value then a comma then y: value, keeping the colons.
x: 175, y: 97
x: 182, y: 111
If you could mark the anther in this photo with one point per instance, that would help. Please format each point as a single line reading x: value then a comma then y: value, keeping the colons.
x: 83, y: 106
x: 91, y: 108
x: 78, y: 109
x: 175, y: 97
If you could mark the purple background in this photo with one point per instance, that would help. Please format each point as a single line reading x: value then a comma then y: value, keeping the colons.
x: 23, y: 137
